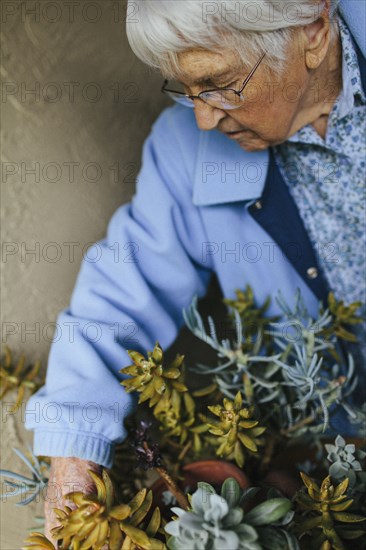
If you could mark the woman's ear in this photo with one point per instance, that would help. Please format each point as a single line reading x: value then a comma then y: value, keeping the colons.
x: 316, y: 37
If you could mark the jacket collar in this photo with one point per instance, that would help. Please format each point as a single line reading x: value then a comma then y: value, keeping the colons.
x: 225, y: 172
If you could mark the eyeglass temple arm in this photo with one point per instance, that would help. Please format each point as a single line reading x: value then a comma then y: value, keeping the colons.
x: 251, y: 73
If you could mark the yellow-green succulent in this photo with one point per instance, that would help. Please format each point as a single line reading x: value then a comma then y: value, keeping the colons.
x: 324, y: 515
x: 252, y: 316
x: 151, y: 378
x: 237, y: 431
x: 95, y: 519
x: 164, y: 387
x: 18, y: 376
x: 342, y: 315
x: 37, y: 541
x: 98, y: 520
x: 180, y: 421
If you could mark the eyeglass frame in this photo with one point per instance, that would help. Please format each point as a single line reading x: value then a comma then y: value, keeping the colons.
x: 238, y: 93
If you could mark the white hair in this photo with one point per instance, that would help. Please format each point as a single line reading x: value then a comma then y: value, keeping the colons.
x: 158, y: 30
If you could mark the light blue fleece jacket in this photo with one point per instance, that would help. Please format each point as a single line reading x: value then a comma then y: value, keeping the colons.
x: 188, y: 218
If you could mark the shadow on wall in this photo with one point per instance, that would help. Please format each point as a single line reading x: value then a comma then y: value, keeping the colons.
x: 77, y: 106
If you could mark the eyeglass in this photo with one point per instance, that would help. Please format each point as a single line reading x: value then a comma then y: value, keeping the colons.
x: 222, y: 98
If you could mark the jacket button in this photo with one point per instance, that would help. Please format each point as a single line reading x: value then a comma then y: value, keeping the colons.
x: 258, y: 205
x: 312, y: 272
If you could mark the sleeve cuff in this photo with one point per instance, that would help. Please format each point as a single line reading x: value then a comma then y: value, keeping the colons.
x: 74, y: 444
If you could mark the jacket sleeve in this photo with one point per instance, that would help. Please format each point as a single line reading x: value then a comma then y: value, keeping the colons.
x: 129, y: 293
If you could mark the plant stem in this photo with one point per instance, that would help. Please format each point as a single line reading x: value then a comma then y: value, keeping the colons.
x: 184, y: 451
x: 300, y: 424
x: 268, y: 454
x: 248, y: 388
x: 171, y: 443
x: 173, y: 487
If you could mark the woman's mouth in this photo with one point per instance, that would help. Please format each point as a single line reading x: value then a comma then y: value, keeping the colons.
x: 234, y: 134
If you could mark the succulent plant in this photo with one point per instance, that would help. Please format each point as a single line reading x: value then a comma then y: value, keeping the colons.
x: 342, y: 315
x: 253, y: 317
x: 315, y: 391
x: 18, y: 376
x: 324, y: 517
x: 176, y: 415
x: 38, y: 541
x: 151, y: 378
x: 239, y: 360
x: 174, y: 407
x: 294, y: 372
x: 268, y: 379
x: 345, y: 461
x: 178, y: 420
x: 21, y: 485
x: 137, y: 531
x: 218, y: 522
x: 98, y: 520
x: 237, y: 431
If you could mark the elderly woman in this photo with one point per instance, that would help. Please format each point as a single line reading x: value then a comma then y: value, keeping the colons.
x: 256, y: 174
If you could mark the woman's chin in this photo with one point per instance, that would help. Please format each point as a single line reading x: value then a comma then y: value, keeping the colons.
x: 251, y: 146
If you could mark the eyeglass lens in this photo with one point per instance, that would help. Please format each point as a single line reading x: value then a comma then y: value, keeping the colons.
x: 226, y: 99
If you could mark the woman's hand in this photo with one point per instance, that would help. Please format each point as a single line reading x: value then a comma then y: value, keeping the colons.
x: 66, y: 475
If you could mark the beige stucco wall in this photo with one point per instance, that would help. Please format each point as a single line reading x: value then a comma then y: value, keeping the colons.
x: 46, y: 131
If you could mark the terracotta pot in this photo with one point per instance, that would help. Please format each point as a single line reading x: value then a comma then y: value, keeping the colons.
x: 214, y: 472
x: 285, y: 482
x: 211, y: 471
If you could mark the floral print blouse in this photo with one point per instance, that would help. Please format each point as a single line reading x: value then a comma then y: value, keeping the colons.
x: 326, y: 178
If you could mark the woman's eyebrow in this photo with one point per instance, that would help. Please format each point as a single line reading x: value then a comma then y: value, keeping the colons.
x: 211, y: 77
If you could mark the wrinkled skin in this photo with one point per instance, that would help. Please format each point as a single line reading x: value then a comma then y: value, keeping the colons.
x: 275, y: 108
x: 66, y: 475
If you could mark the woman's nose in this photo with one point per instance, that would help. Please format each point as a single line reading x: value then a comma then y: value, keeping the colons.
x: 207, y: 117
